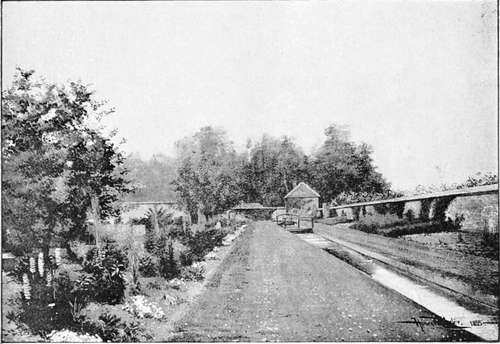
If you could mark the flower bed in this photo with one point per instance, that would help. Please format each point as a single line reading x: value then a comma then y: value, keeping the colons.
x: 66, y: 336
x: 142, y: 308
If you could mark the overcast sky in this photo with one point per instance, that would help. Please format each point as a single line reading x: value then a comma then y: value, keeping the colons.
x: 416, y: 80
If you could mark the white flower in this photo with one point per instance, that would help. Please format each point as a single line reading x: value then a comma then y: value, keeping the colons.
x: 40, y: 264
x: 49, y: 115
x: 70, y: 336
x: 26, y: 287
x: 49, y: 279
x: 32, y: 265
x: 58, y: 256
x: 142, y: 308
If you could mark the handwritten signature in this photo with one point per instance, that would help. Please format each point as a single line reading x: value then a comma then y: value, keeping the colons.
x: 453, y: 324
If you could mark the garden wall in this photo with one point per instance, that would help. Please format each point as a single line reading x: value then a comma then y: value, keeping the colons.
x: 479, y: 212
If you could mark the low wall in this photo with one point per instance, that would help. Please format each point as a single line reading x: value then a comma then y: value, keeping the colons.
x: 120, y: 232
x: 256, y: 213
x: 479, y: 212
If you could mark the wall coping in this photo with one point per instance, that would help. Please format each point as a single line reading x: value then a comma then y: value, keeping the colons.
x: 472, y: 191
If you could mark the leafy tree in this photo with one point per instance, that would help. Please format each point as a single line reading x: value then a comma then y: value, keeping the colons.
x: 55, y: 160
x: 342, y: 166
x: 206, y: 173
x: 356, y: 197
x: 480, y: 179
x: 274, y: 167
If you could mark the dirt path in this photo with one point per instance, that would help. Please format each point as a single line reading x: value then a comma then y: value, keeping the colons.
x: 275, y: 287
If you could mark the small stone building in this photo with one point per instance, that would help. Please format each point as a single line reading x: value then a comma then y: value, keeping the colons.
x: 302, y: 200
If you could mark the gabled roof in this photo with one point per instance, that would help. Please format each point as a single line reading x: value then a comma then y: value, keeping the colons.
x: 302, y: 190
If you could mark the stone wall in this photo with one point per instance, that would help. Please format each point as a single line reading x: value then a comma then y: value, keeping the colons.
x: 412, y: 209
x: 480, y: 212
x: 256, y: 213
x: 120, y: 232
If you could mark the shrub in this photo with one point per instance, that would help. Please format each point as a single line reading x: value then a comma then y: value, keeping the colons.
x: 107, y: 266
x: 176, y: 230
x: 393, y: 226
x: 50, y: 301
x: 111, y: 329
x: 168, y: 264
x: 148, y: 266
x: 140, y: 307
x: 202, y: 242
x: 194, y: 272
x: 371, y: 223
x: 67, y: 336
x: 154, y: 285
x: 416, y: 228
x: 186, y: 258
x: 151, y: 241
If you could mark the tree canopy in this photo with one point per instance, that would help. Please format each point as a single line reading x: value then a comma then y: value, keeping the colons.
x: 272, y: 169
x: 55, y: 159
x: 340, y: 165
x: 207, y: 165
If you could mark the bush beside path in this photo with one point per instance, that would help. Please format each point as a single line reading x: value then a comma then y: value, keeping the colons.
x: 274, y: 287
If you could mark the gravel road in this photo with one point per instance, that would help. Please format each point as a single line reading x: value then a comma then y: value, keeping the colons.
x: 275, y: 287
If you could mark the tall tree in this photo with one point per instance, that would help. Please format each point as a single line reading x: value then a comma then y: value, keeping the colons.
x: 55, y: 160
x: 274, y: 167
x: 206, y: 178
x: 342, y: 166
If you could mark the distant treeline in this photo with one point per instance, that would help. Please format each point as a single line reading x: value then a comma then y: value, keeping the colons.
x: 207, y: 174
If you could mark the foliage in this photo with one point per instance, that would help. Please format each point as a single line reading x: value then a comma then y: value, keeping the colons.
x: 54, y: 160
x: 272, y: 168
x: 142, y: 308
x: 349, y: 197
x: 67, y: 336
x: 54, y: 300
x: 205, y: 173
x: 340, y: 165
x: 477, y: 179
x: 202, y: 242
x: 168, y: 265
x: 152, y: 242
x: 370, y: 223
x: 148, y: 266
x: 193, y: 272
x: 393, y: 226
x: 111, y: 329
x: 107, y: 265
x: 186, y: 258
x: 480, y: 179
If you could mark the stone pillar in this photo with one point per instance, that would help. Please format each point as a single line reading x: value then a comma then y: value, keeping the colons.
x: 326, y: 210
